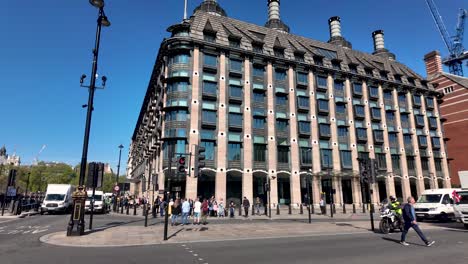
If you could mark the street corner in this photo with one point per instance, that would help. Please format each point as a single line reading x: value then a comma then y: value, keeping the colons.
x: 108, y: 237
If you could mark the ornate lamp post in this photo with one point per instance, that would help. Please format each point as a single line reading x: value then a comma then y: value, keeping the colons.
x: 79, y: 196
x: 117, y: 177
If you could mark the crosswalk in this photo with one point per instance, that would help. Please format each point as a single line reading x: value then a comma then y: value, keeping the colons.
x: 23, y: 230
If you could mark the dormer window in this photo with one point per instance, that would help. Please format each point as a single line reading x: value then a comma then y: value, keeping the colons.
x: 209, y: 36
x: 318, y: 61
x: 352, y: 68
x: 279, y: 52
x: 257, y: 47
x: 397, y: 78
x: 384, y: 75
x: 369, y: 72
x: 299, y: 56
x: 234, y: 42
x: 336, y: 65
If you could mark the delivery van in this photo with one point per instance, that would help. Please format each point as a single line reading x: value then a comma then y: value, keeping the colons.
x: 435, y: 204
x: 98, y: 202
x: 58, y: 198
x: 461, y: 203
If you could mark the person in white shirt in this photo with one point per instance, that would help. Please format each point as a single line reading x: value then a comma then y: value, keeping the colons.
x: 196, y: 212
x: 185, y: 211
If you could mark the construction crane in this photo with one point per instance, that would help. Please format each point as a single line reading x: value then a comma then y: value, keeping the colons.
x: 454, y: 44
x: 36, y: 159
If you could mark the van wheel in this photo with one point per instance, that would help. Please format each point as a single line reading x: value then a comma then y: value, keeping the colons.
x: 466, y: 226
x: 443, y: 218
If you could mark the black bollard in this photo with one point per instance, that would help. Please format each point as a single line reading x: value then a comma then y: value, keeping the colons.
x: 289, y: 209
x: 312, y: 207
x: 253, y: 209
x: 128, y: 209
x: 354, y: 208
x: 153, y: 211
x: 363, y: 208
x: 344, y: 208
x: 334, y: 208
x: 277, y: 209
x: 301, y: 210
x: 240, y: 210
x: 134, y: 209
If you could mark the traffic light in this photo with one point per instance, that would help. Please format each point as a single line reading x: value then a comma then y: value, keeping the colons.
x: 181, y: 165
x: 12, y: 177
x: 199, y: 160
x: 363, y: 170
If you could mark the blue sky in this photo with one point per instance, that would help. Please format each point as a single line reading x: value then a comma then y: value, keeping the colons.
x: 46, y: 45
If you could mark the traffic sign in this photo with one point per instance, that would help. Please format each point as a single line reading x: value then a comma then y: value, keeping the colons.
x: 116, y: 188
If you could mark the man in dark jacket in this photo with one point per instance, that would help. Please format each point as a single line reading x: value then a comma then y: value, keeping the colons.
x: 246, y: 205
x: 410, y: 221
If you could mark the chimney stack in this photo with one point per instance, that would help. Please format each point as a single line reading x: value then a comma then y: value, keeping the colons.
x: 335, y: 33
x: 379, y: 45
x: 274, y: 19
x: 433, y: 63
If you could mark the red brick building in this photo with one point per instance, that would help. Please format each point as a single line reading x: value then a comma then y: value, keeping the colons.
x: 454, y: 111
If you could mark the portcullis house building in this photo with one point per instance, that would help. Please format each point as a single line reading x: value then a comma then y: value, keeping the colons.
x: 270, y: 105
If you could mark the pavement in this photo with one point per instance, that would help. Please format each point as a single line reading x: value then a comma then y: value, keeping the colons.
x: 241, y: 241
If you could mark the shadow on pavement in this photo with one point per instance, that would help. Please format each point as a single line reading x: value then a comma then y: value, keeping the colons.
x: 110, y: 225
x: 175, y: 233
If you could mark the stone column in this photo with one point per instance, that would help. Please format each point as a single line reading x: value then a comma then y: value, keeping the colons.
x: 432, y: 169
x: 194, y: 136
x: 316, y: 190
x: 390, y: 176
x: 272, y: 148
x: 445, y: 168
x: 353, y: 143
x: 405, y: 183
x: 417, y: 159
x: 295, y: 184
x: 247, y: 177
x: 334, y: 142
x: 316, y: 167
x: 221, y: 156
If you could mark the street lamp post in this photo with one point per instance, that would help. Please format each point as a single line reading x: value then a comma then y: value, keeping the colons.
x: 117, y: 176
x: 80, y: 195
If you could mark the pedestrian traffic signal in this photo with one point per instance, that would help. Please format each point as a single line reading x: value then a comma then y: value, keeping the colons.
x: 181, y: 165
x: 199, y: 160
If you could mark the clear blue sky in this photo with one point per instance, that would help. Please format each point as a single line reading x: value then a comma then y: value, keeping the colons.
x: 46, y: 45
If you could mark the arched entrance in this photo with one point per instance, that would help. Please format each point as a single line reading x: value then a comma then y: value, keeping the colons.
x: 206, y: 184
x: 413, y: 188
x: 284, y: 188
x: 398, y: 188
x: 259, y: 180
x: 234, y: 187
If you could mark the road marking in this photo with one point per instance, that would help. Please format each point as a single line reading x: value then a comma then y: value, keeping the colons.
x: 23, y: 230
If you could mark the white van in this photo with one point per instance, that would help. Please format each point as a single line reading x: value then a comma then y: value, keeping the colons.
x: 58, y: 198
x: 98, y: 202
x: 461, y: 208
x: 435, y: 204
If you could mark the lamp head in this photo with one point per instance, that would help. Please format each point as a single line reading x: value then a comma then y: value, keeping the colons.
x: 104, y: 80
x: 82, y: 78
x: 121, y: 146
x: 104, y: 21
x: 97, y: 3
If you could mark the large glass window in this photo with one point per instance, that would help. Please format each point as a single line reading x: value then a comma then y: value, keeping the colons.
x: 280, y: 75
x: 433, y: 122
x: 392, y: 138
x: 176, y: 115
x: 210, y: 87
x: 390, y: 117
x: 357, y: 87
x: 373, y: 91
x: 236, y: 65
x: 323, y: 105
x: 260, y: 152
x: 303, y: 102
x: 381, y: 160
x: 342, y: 133
x: 396, y: 163
x: 259, y: 123
x: 419, y: 120
x: 422, y: 141
x: 417, y: 100
x: 410, y: 163
x: 282, y: 125
x: 176, y: 146
x: 361, y: 133
x: 346, y: 159
x: 322, y: 81
x: 211, y: 60
x: 388, y: 96
x: 177, y: 87
x: 259, y: 97
x: 438, y: 164
x: 339, y: 87
x: 429, y: 102
x: 302, y: 78
x: 283, y: 154
x: 180, y: 58
x: 258, y: 71
x: 402, y: 99
x: 435, y: 142
x: 407, y: 140
x: 404, y: 118
x: 304, y: 127
x: 360, y: 110
x: 324, y: 130
x: 326, y: 158
x: 235, y: 91
x: 209, y: 116
x: 376, y: 113
x: 281, y: 100
x: 235, y: 119
x: 340, y: 109
x: 234, y: 151
x: 209, y: 149
x: 306, y: 155
x: 378, y: 136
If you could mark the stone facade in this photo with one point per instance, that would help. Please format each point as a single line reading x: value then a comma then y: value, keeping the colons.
x: 272, y: 106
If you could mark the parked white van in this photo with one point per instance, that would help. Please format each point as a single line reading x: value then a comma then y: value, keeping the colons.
x: 98, y: 202
x: 58, y: 198
x: 435, y: 204
x: 461, y: 208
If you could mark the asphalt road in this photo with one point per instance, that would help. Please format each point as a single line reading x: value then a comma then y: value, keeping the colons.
x: 19, y: 243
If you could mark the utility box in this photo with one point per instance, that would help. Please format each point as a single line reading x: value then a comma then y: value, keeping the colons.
x: 463, y: 179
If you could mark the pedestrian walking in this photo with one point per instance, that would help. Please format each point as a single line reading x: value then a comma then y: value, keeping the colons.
x: 258, y: 203
x: 185, y: 211
x: 191, y: 207
x: 246, y: 205
x: 176, y: 211
x: 410, y: 222
x: 322, y: 206
x: 215, y: 208
x: 205, y: 211
x: 196, y: 212
x: 162, y: 207
x: 171, y: 203
x: 221, y: 208
x: 232, y: 207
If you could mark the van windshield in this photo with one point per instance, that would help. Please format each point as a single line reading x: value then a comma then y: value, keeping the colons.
x: 55, y: 197
x: 96, y: 198
x: 430, y: 198
x: 464, y: 197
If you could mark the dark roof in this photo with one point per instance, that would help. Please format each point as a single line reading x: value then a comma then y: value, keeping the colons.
x: 272, y: 38
x: 458, y: 79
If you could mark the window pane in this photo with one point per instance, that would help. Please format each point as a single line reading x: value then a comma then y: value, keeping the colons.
x: 234, y: 153
x: 283, y: 154
x: 235, y: 119
x: 303, y: 102
x: 260, y: 152
x: 326, y: 158
x: 236, y: 65
x: 211, y: 60
x: 209, y: 149
x: 304, y: 127
x: 306, y: 155
x: 259, y: 123
x: 209, y: 116
x: 357, y: 88
x: 282, y: 125
x: 302, y: 77
x: 177, y: 87
x: 323, y: 105
x: 281, y: 100
x: 235, y: 91
x: 280, y: 75
x: 210, y: 87
x: 258, y: 71
x: 346, y: 160
x: 322, y: 81
x: 374, y: 91
x: 259, y: 97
